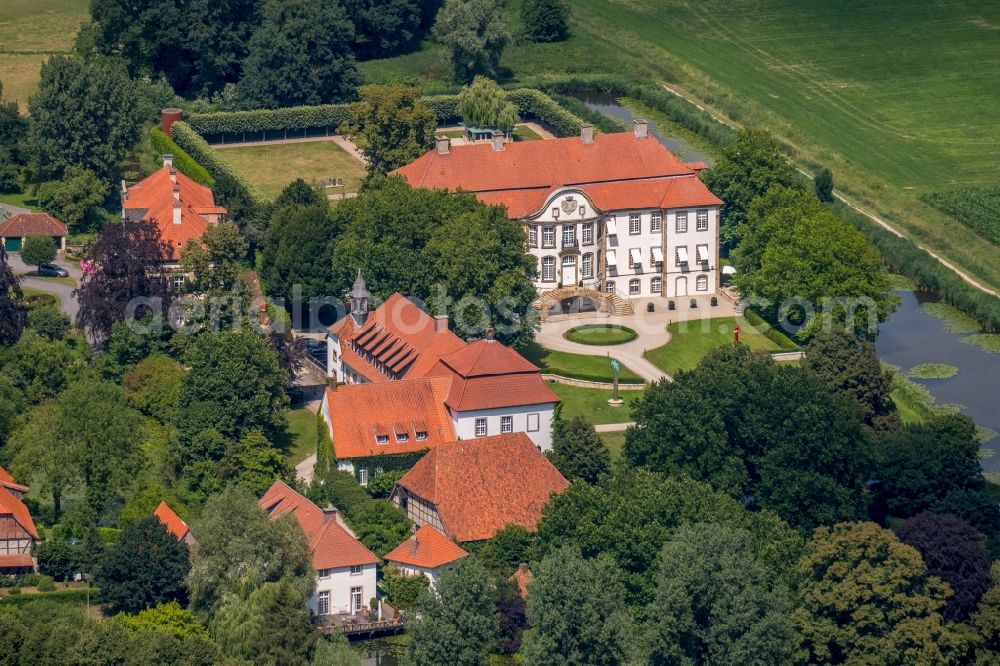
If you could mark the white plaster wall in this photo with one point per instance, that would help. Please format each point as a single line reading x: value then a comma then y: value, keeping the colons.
x: 691, y: 239
x: 623, y: 242
x: 333, y: 351
x: 465, y: 422
x: 339, y: 585
x: 584, y: 213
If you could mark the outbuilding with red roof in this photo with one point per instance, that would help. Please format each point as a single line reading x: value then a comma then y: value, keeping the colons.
x: 427, y: 552
x: 18, y: 228
x: 17, y: 529
x: 174, y: 524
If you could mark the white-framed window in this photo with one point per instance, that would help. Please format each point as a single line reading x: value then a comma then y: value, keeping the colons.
x: 701, y: 284
x: 533, y: 422
x: 421, y: 435
x: 363, y: 476
x: 634, y: 223
x: 631, y: 263
x: 680, y: 253
x: 323, y: 603
x: 548, y: 269
x: 656, y: 221
x: 588, y: 265
x: 634, y: 286
x: 178, y: 282
x: 681, y: 224
x: 702, y: 217
x: 533, y: 235
x: 609, y: 286
x: 588, y: 233
x: 548, y: 236
x: 506, y: 424
x: 480, y: 427
x: 357, y: 593
x: 569, y: 235
x: 357, y: 569
x: 324, y: 574
x: 381, y: 439
x: 402, y: 436
x: 656, y: 284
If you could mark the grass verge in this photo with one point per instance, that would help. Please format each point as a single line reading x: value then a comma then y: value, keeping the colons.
x: 577, y: 366
x: 301, y: 436
x: 600, y: 334
x: 592, y: 404
x: 690, y: 341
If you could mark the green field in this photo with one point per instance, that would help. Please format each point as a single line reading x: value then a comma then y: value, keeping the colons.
x: 30, y: 30
x: 691, y: 341
x: 592, y: 404
x: 272, y: 167
x: 976, y: 207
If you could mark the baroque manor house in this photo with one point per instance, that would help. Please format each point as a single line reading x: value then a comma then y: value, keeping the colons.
x: 610, y: 213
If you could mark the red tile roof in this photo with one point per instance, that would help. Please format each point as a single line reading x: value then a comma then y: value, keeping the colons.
x: 16, y: 560
x: 427, y: 548
x: 481, y: 485
x: 401, y: 338
x: 153, y: 198
x: 331, y: 544
x: 361, y: 412
x: 174, y: 524
x: 32, y: 224
x: 489, y: 375
x: 7, y: 481
x: 12, y: 506
x: 617, y: 171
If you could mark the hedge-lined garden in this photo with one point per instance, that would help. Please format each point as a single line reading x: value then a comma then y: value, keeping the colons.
x: 185, y: 164
x: 195, y: 146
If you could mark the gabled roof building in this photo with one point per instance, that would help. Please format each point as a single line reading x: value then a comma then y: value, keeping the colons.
x: 17, y: 529
x: 427, y: 552
x: 471, y: 489
x: 174, y: 524
x: 18, y: 228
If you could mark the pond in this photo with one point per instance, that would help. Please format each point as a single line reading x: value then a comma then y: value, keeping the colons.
x: 912, y: 336
x: 608, y: 105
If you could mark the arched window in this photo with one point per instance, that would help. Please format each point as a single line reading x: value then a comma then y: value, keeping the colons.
x: 548, y: 269
x: 588, y: 265
x: 702, y: 283
x: 634, y: 286
x: 656, y: 284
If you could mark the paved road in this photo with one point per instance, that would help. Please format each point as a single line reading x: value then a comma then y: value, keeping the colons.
x: 613, y: 427
x: 64, y: 291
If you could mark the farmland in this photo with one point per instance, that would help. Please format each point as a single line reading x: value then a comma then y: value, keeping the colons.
x: 976, y: 207
x: 32, y: 30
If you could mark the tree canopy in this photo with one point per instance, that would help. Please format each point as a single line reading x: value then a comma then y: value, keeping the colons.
x: 38, y: 250
x: 299, y: 54
x: 545, y: 20
x: 476, y: 33
x: 484, y: 104
x: 75, y: 199
x: 392, y: 126
x: 145, y: 567
x: 578, y: 452
x: 298, y: 251
x: 12, y: 315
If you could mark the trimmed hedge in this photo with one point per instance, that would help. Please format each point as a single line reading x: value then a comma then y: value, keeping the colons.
x: 902, y: 255
x: 529, y: 101
x: 164, y: 144
x: 219, y: 168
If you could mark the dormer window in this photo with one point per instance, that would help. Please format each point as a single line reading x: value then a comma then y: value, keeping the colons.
x: 381, y: 439
x: 421, y: 435
x: 402, y: 436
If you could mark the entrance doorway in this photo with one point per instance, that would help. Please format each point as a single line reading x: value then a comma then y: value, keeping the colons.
x: 681, y: 288
x: 569, y: 271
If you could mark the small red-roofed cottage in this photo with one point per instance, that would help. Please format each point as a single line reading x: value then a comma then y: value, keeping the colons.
x: 174, y: 524
x: 17, y: 530
x: 427, y: 552
x: 182, y: 208
x: 18, y: 228
x: 471, y: 489
x: 345, y: 569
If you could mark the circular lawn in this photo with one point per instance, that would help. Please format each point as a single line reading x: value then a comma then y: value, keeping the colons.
x: 600, y: 334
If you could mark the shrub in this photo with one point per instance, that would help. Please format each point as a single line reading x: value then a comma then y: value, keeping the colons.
x: 404, y: 591
x: 824, y: 185
x: 715, y: 301
x: 38, y: 250
x: 263, y: 120
x: 671, y: 305
x: 694, y: 302
x: 650, y: 307
x: 46, y: 584
x: 162, y: 143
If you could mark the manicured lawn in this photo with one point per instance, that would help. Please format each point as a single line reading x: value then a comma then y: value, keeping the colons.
x: 577, y: 366
x: 592, y: 404
x: 272, y: 167
x: 302, y: 436
x: 522, y: 133
x: 68, y: 281
x: 32, y: 30
x: 690, y: 341
x: 600, y: 334
x: 44, y: 297
x: 615, y: 441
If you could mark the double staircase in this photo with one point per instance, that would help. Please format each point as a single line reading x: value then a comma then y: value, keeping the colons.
x: 613, y: 304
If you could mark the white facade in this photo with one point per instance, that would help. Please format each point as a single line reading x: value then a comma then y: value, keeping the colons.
x: 533, y: 420
x: 431, y: 574
x: 635, y: 253
x: 343, y: 590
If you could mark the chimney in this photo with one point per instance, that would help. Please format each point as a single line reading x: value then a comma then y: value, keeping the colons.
x: 177, y: 212
x: 489, y: 334
x: 330, y: 510
x: 415, y: 545
x: 331, y: 382
x: 168, y: 159
x: 641, y: 128
x: 442, y: 144
x: 124, y: 192
x: 177, y: 192
x: 498, y: 138
x: 440, y: 323
x: 173, y: 174
x: 587, y: 133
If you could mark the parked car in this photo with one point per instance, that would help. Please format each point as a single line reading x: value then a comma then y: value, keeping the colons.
x: 51, y: 270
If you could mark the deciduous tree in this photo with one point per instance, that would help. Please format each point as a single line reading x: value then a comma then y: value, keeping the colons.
x: 37, y: 455
x: 299, y: 54
x: 49, y: 322
x: 166, y: 617
x: 457, y: 622
x: 576, y: 611
x: 83, y: 114
x: 953, y: 551
x: 484, y: 105
x: 476, y: 33
x: 545, y: 20
x: 716, y: 603
x: 12, y: 315
x: 38, y: 250
x: 154, y: 387
x: 578, y: 452
x: 387, y: 28
x: 73, y: 199
x: 127, y: 257
x: 867, y: 598
x: 392, y: 126
x: 144, y: 568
